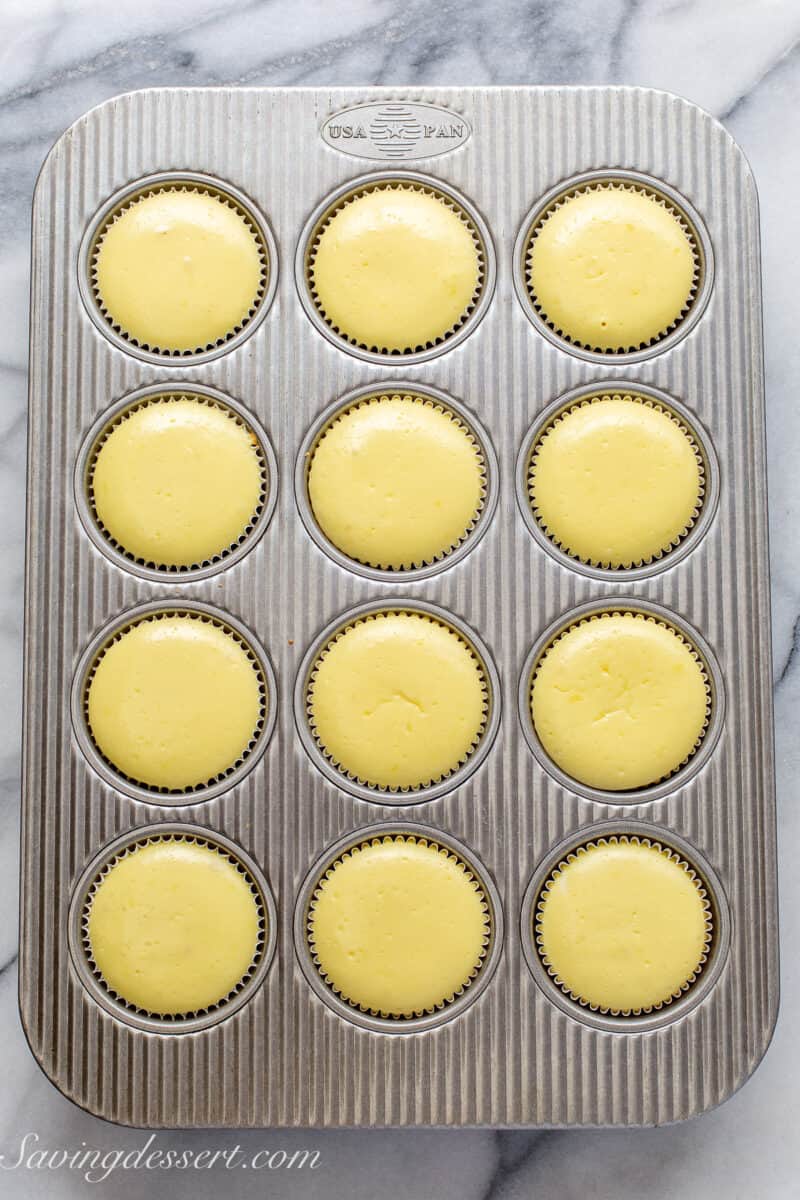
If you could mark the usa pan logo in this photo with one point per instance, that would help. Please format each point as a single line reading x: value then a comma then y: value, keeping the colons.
x: 396, y: 132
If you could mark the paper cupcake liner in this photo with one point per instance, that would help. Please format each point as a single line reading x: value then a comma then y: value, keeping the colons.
x: 447, y: 1000
x: 673, y: 856
x: 378, y: 398
x: 199, y: 189
x: 264, y: 699
x: 623, y: 610
x: 86, y: 944
x: 376, y: 787
x: 407, y: 185
x: 611, y: 185
x: 168, y: 398
x: 635, y: 398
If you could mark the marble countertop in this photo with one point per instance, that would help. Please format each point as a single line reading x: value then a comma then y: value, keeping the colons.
x: 738, y: 59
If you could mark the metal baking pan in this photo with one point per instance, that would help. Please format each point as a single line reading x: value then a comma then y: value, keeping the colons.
x: 516, y: 1052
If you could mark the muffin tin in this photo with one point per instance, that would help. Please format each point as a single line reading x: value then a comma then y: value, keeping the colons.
x: 512, y: 1049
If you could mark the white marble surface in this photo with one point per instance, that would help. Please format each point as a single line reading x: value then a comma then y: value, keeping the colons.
x: 738, y: 58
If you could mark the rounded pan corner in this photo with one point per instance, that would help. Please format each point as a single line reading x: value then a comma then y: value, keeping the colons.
x: 719, y: 1101
x: 82, y: 119
x: 760, y: 1052
x: 57, y: 1083
x: 752, y: 1066
x: 717, y: 124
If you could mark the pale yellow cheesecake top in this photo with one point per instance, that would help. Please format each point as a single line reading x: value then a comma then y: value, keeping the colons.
x: 398, y: 927
x: 178, y: 270
x: 396, y: 482
x: 395, y: 269
x: 615, y: 481
x: 173, y: 927
x: 177, y: 481
x: 173, y: 702
x: 611, y: 268
x: 619, y: 701
x: 397, y: 700
x: 623, y: 926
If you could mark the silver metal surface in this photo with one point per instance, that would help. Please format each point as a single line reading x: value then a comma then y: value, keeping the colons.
x: 514, y: 1054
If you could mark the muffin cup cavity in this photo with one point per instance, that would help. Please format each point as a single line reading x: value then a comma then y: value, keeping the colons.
x: 451, y: 1006
x: 440, y: 402
x: 225, y: 780
x: 689, y: 221
x: 409, y: 181
x: 446, y: 1000
x: 116, y: 416
x: 712, y: 679
x: 80, y: 944
x: 362, y: 789
x: 650, y: 397
x: 582, y: 1000
x: 178, y: 181
x: 698, y: 985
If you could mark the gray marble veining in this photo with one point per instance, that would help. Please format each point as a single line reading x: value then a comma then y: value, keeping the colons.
x: 741, y: 61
